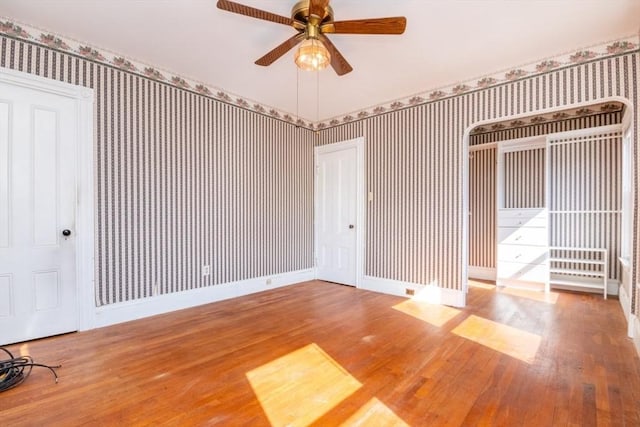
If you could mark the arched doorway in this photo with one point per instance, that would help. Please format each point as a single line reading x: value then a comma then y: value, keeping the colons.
x: 481, y: 186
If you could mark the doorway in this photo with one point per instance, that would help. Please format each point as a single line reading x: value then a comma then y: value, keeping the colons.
x: 339, y: 212
x: 481, y: 141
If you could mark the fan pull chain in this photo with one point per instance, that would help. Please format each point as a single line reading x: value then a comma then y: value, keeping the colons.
x: 317, y: 96
x: 297, y: 96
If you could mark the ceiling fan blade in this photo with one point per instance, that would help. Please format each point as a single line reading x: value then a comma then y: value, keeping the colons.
x: 318, y: 8
x: 339, y: 64
x: 280, y: 50
x: 393, y: 25
x: 252, y: 12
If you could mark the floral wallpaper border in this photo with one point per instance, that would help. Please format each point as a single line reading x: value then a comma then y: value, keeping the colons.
x: 572, y: 113
x: 21, y: 31
x: 53, y: 41
x: 618, y: 47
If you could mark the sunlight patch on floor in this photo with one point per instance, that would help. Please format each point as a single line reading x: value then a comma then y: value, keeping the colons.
x: 434, y: 314
x: 482, y: 285
x: 300, y: 387
x: 511, y: 341
x: 548, y: 297
x: 374, y: 413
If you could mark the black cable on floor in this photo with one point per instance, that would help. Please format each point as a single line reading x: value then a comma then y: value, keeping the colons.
x: 15, y: 370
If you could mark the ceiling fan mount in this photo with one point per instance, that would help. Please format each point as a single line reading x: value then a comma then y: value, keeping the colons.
x: 300, y: 12
x: 312, y: 20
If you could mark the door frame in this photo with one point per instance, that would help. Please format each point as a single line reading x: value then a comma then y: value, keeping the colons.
x: 358, y: 144
x: 84, y: 182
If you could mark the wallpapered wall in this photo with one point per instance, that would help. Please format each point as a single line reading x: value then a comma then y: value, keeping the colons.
x: 255, y: 174
x: 413, y: 162
x: 524, y: 179
x: 184, y: 181
x: 482, y: 208
x: 585, y: 199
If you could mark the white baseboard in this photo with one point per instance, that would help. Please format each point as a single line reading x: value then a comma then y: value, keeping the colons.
x: 625, y: 303
x: 428, y: 293
x: 482, y: 273
x: 613, y: 288
x: 635, y: 331
x: 137, y: 309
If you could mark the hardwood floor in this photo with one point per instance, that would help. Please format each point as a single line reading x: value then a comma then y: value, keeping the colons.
x: 324, y: 354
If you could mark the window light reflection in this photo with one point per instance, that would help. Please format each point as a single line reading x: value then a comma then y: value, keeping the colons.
x: 375, y: 413
x: 300, y: 387
x: 548, y: 297
x: 511, y: 341
x: 434, y: 314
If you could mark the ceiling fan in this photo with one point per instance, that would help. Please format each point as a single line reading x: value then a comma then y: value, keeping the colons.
x: 312, y: 20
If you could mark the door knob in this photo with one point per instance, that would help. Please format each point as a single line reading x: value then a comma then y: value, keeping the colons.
x: 66, y: 232
x: 351, y: 226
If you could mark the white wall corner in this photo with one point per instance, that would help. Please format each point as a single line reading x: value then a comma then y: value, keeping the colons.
x: 427, y: 293
x: 613, y: 287
x: 137, y: 309
x: 481, y: 273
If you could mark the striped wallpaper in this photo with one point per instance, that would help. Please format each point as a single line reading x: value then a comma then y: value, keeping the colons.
x: 341, y: 133
x: 482, y: 208
x: 413, y: 162
x: 524, y: 179
x: 184, y: 181
x: 586, y: 194
x: 253, y: 175
x: 414, y: 218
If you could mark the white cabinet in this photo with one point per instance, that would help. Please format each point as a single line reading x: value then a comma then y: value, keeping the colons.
x: 522, y: 218
x: 523, y: 247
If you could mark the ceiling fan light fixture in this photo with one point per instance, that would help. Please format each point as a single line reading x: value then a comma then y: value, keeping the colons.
x: 313, y: 20
x: 312, y: 55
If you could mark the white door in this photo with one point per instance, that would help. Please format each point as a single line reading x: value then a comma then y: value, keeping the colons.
x: 336, y: 215
x: 37, y: 211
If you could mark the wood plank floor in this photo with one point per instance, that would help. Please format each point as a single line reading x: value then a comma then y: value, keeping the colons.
x: 324, y: 354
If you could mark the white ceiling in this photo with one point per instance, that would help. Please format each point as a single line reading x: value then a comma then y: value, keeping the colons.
x: 446, y: 41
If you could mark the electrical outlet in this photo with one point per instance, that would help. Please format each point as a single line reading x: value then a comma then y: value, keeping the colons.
x: 410, y: 292
x: 269, y: 281
x: 206, y: 270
